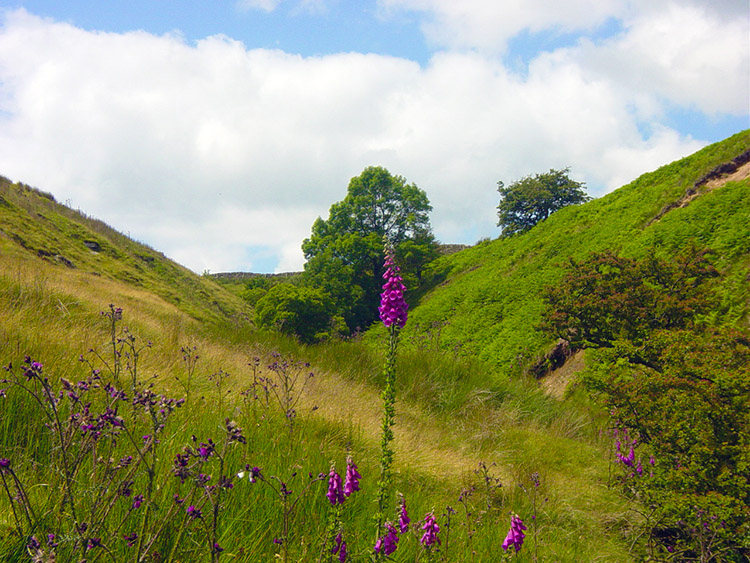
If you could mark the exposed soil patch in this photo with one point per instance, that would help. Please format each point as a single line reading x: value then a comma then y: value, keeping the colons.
x: 556, y: 382
x: 733, y: 171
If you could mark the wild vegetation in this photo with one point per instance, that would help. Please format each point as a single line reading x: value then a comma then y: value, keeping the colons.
x: 167, y: 427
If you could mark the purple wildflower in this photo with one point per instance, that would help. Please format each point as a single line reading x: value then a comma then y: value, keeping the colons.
x: 33, y: 543
x: 392, y: 305
x: 388, y: 543
x: 137, y: 501
x: 515, y: 534
x: 193, y: 512
x: 431, y: 529
x: 335, y: 491
x: 130, y: 539
x: 4, y: 463
x: 403, y: 519
x: 339, y: 546
x: 217, y: 548
x: 351, y: 482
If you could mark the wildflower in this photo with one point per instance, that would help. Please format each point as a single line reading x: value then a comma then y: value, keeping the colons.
x: 388, y: 543
x: 130, y: 539
x: 335, y: 492
x: 93, y: 542
x: 403, y: 519
x: 137, y: 501
x: 51, y: 541
x: 217, y: 548
x: 515, y: 534
x: 339, y: 546
x: 351, y: 483
x: 392, y: 305
x: 4, y: 463
x: 33, y: 543
x: 431, y: 529
x: 194, y: 512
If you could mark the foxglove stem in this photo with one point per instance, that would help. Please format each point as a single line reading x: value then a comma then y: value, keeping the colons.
x: 389, y: 412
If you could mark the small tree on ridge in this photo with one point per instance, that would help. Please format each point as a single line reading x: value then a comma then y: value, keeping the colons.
x: 531, y: 199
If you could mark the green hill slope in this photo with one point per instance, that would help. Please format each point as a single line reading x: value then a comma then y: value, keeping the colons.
x: 32, y: 221
x: 487, y: 300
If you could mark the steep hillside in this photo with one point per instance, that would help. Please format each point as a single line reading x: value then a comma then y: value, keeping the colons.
x: 32, y: 222
x: 487, y: 300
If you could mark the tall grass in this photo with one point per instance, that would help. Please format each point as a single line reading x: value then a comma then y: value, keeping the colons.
x: 449, y: 419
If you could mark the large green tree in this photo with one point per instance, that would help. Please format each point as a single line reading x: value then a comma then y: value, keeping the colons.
x: 531, y: 199
x: 345, y: 252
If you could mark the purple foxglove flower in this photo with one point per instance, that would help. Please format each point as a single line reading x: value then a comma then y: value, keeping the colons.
x: 351, y: 483
x: 336, y: 544
x: 515, y: 534
x: 431, y: 529
x: 388, y: 543
x: 335, y: 491
x: 392, y: 305
x: 403, y: 519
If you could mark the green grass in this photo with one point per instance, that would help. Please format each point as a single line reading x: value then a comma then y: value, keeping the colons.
x: 487, y: 300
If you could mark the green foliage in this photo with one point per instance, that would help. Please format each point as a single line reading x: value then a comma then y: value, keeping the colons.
x: 301, y: 311
x: 534, y: 198
x: 604, y: 298
x: 489, y: 298
x: 345, y: 252
x: 680, y: 391
x: 690, y: 413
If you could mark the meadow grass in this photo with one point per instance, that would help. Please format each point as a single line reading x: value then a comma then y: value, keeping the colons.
x: 448, y: 421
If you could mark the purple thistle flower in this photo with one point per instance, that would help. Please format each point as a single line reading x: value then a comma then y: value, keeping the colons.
x: 431, y: 529
x: 351, y: 482
x: 403, y: 519
x: 392, y: 305
x: 335, y: 492
x: 515, y: 534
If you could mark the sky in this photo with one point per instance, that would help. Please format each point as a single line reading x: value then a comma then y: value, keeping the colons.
x: 217, y: 131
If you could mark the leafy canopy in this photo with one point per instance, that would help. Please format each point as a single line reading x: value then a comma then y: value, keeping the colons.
x: 304, y: 312
x: 680, y: 389
x: 345, y: 252
x: 534, y: 198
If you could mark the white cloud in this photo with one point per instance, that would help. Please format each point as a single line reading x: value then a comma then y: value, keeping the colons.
x: 217, y: 154
x: 489, y: 24
x: 263, y: 5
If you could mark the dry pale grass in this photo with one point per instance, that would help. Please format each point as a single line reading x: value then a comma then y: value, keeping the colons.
x: 422, y: 445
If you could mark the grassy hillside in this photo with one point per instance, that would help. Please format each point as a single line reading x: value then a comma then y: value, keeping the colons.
x: 31, y: 221
x: 487, y: 300
x: 53, y: 289
x: 462, y: 428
